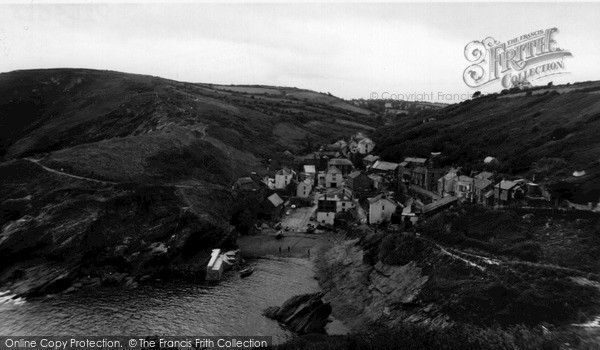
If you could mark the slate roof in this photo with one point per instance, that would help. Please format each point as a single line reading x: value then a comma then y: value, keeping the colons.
x: 442, y: 202
x: 415, y: 160
x: 333, y: 169
x: 482, y: 183
x: 506, y: 185
x: 354, y: 174
x: 484, y: 175
x: 284, y: 171
x: 340, y: 161
x: 385, y: 166
x: 310, y: 169
x: 275, y: 200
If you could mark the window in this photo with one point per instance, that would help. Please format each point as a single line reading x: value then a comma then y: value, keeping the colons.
x: 383, y: 207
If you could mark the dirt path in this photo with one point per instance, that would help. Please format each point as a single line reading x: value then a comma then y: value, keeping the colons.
x: 37, y: 161
x: 478, y: 261
x: 105, y: 182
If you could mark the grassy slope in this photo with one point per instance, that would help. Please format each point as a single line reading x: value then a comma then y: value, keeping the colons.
x: 172, y: 148
x: 546, y: 134
x: 49, y: 110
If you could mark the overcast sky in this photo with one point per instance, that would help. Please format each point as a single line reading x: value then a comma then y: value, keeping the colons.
x: 350, y: 50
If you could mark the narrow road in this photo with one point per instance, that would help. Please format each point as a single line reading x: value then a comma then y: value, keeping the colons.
x: 298, y: 219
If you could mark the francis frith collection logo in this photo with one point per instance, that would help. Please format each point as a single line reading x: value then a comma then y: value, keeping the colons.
x: 515, y: 62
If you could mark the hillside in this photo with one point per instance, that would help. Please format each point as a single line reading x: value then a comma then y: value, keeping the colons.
x: 545, y: 133
x: 110, y: 174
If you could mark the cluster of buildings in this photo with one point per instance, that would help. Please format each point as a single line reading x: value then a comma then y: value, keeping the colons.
x: 329, y: 178
x: 370, y: 187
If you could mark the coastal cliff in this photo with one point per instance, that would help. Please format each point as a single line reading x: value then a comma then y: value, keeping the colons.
x: 361, y: 293
x: 302, y: 314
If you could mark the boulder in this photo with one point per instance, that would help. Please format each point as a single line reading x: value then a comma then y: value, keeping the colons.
x: 302, y: 314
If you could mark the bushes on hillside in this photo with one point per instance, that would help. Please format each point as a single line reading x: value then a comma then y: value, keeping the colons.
x: 496, y: 231
x: 460, y: 337
x: 400, y: 249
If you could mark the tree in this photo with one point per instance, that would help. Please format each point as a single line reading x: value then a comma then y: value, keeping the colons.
x: 477, y: 94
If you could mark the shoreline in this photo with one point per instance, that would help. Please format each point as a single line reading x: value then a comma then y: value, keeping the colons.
x: 266, y: 247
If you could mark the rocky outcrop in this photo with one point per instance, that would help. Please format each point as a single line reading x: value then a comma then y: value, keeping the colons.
x: 69, y: 233
x: 361, y: 293
x: 302, y: 314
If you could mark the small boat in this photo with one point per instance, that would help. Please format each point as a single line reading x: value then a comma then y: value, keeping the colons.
x: 246, y: 272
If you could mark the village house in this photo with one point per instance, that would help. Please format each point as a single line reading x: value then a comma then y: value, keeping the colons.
x: 304, y: 188
x: 484, y: 191
x: 353, y: 146
x: 246, y: 184
x: 439, y: 205
x: 369, y: 160
x: 343, y: 198
x: 366, y: 145
x: 426, y: 178
x: 405, y: 168
x: 326, y: 209
x: 309, y: 159
x: 384, y: 168
x: 333, y: 177
x: 270, y: 208
x: 322, y: 179
x: 360, y: 183
x: 404, y: 172
x: 418, y: 176
x: 446, y: 183
x: 310, y: 171
x: 377, y: 181
x: 463, y: 188
x: 413, y: 161
x: 269, y: 182
x: 506, y: 192
x: 283, y: 178
x: 319, y: 159
x: 484, y: 175
x: 381, y: 209
x: 535, y: 192
x: 340, y: 145
x: 345, y: 165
